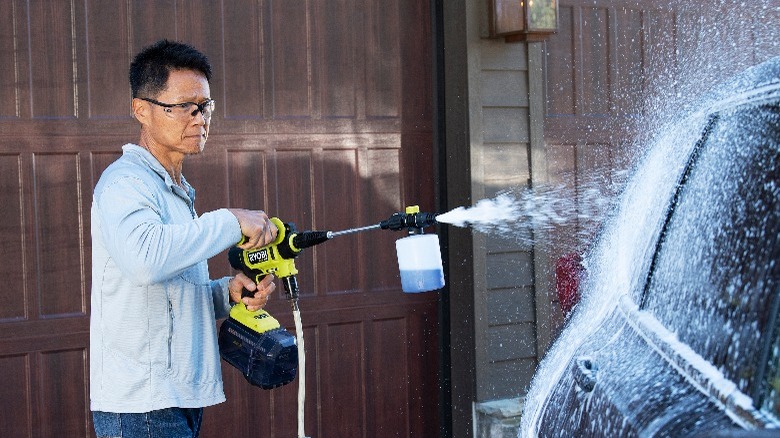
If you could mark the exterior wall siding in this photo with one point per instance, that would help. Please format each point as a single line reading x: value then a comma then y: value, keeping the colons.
x: 504, y: 293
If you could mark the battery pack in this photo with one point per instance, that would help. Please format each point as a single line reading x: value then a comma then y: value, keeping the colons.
x: 268, y: 359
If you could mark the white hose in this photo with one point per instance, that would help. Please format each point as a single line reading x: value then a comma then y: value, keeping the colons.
x: 301, y: 371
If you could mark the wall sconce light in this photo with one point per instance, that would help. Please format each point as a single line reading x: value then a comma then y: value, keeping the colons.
x: 523, y: 20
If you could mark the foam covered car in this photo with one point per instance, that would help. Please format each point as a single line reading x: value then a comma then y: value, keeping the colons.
x: 677, y: 333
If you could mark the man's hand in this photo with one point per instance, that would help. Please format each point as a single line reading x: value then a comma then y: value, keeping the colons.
x: 256, y: 226
x: 261, y: 291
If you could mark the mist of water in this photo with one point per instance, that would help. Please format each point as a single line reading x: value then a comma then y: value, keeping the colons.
x: 709, y: 47
x: 522, y: 214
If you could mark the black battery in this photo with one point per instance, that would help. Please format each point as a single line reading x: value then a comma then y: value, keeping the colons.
x: 267, y: 360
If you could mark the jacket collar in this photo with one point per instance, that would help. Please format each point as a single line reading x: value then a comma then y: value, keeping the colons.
x: 155, y: 166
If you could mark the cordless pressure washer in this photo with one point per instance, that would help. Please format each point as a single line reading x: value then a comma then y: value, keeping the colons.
x: 254, y: 342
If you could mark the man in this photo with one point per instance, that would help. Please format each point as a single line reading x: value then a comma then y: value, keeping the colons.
x: 154, y: 359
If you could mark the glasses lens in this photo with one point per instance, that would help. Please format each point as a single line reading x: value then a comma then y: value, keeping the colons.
x: 183, y: 110
x: 205, y: 108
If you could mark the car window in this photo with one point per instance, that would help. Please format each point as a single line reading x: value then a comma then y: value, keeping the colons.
x: 714, y: 281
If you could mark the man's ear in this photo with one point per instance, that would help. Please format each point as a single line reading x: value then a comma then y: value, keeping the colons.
x: 140, y: 110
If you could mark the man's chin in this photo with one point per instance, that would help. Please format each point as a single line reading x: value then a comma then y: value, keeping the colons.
x: 197, y: 147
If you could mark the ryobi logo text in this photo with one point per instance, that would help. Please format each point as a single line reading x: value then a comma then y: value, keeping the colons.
x: 257, y: 256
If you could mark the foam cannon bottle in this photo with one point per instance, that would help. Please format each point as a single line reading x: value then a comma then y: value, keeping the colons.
x: 419, y: 256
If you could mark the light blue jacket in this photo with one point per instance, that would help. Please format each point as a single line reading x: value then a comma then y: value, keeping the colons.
x: 153, y: 340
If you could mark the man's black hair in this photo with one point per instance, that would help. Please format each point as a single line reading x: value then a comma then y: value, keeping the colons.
x: 151, y: 66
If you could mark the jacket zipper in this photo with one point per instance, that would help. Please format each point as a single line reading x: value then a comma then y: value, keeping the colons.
x: 170, y: 334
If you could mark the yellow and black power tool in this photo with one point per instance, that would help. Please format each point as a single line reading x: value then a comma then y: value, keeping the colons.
x: 254, y: 342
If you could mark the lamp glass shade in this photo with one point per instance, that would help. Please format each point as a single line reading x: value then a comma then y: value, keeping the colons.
x: 542, y: 15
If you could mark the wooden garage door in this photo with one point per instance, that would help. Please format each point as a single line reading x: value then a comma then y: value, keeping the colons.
x: 323, y: 118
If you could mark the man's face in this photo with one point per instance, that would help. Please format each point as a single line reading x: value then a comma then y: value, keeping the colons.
x: 169, y: 129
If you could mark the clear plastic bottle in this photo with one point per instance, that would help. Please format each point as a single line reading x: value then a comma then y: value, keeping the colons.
x: 419, y: 261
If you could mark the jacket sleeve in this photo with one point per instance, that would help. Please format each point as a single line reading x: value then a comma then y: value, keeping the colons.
x: 149, y: 250
x: 221, y: 296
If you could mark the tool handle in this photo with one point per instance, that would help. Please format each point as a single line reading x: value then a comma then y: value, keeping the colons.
x: 290, y: 287
x: 257, y: 279
x: 247, y: 293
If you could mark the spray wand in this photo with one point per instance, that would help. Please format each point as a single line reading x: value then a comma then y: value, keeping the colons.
x: 412, y: 220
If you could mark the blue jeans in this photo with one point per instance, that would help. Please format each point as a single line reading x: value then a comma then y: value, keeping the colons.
x: 165, y: 423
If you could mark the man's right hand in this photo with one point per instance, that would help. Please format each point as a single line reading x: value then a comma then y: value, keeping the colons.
x: 256, y: 226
